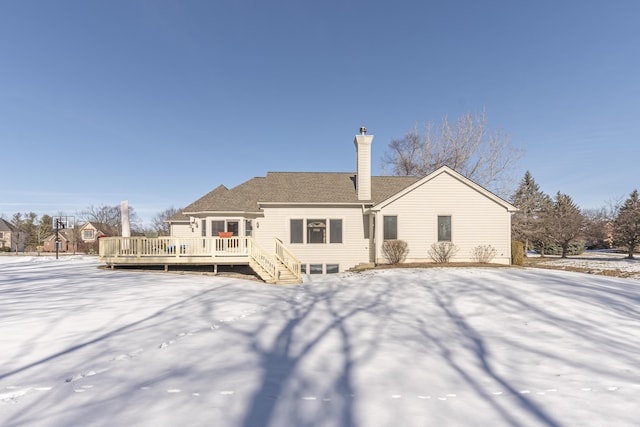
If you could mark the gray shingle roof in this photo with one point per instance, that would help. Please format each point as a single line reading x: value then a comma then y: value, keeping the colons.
x: 296, y: 188
x: 7, y: 226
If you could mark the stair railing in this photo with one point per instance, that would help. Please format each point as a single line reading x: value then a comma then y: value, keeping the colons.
x: 288, y: 259
x: 264, y: 260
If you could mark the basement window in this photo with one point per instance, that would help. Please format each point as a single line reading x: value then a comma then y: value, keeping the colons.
x: 315, y: 268
x: 333, y: 268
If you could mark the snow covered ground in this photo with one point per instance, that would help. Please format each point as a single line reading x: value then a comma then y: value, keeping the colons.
x: 598, y: 262
x: 434, y: 347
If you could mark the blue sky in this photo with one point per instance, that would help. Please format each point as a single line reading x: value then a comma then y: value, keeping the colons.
x: 157, y: 102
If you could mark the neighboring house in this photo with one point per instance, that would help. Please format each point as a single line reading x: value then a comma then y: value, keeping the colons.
x: 66, y: 242
x: 335, y: 221
x: 10, y: 237
x: 90, y: 232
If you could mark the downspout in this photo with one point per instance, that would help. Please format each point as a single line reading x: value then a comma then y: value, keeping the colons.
x: 372, y: 234
x: 372, y: 239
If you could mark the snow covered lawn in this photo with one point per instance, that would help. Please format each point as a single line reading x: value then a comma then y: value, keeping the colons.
x: 408, y: 347
x: 595, y: 262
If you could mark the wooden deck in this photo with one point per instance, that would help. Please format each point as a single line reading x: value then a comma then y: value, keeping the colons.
x: 279, y: 267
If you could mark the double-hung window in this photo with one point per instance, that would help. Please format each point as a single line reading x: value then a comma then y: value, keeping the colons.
x: 444, y: 228
x: 390, y: 227
x: 335, y: 231
x: 295, y: 231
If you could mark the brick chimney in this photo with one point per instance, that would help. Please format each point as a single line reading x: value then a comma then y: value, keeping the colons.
x: 363, y: 164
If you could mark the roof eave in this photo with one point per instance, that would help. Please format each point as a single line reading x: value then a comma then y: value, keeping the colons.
x: 355, y: 204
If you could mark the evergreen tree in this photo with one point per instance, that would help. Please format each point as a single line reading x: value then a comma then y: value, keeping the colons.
x: 29, y: 227
x: 526, y: 223
x: 563, y: 222
x: 44, y: 229
x: 626, y: 227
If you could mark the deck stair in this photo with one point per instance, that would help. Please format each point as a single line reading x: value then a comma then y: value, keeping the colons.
x: 283, y: 275
x: 282, y: 269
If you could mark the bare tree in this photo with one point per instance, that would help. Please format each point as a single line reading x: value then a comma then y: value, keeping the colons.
x: 596, y: 228
x: 563, y: 222
x: 467, y: 146
x: 626, y: 227
x: 109, y: 216
x: 159, y: 222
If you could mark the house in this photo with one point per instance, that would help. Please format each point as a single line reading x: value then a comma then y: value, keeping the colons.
x: 66, y: 241
x: 332, y: 222
x: 90, y: 232
x: 84, y: 240
x: 10, y: 238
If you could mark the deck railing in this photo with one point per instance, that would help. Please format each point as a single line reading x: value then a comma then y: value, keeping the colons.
x: 198, y: 250
x: 140, y: 247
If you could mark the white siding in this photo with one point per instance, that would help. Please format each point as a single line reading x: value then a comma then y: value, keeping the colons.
x: 183, y: 229
x: 475, y: 220
x: 353, y: 250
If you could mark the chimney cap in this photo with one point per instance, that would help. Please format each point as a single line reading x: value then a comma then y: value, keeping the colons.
x: 363, y: 130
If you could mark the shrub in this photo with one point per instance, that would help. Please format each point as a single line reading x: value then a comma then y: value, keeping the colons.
x: 517, y: 252
x: 5, y: 249
x: 442, y: 252
x: 575, y: 248
x: 483, y: 253
x: 395, y: 250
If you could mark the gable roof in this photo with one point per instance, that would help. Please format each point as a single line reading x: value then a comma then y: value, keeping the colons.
x: 65, y: 234
x: 7, y: 226
x: 447, y: 170
x: 100, y: 227
x: 296, y: 188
